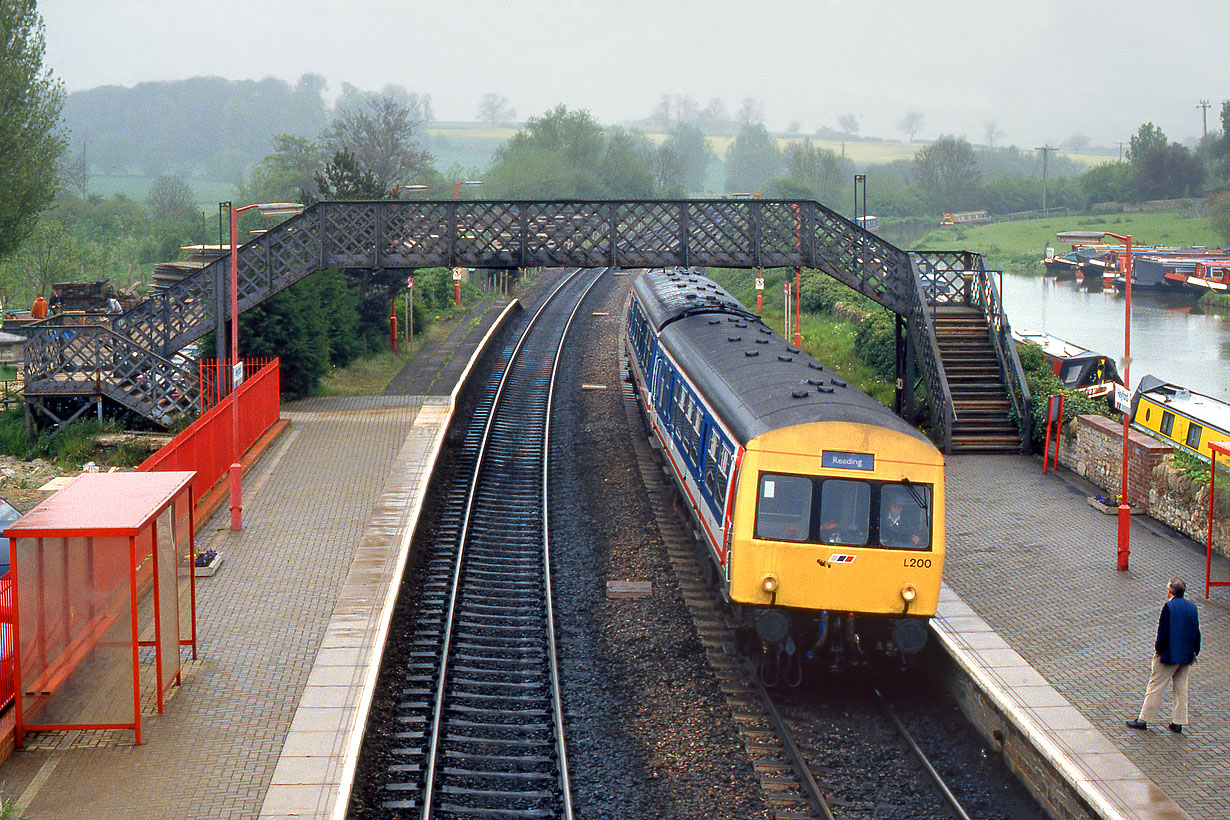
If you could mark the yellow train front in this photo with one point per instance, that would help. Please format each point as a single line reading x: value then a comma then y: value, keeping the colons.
x: 822, y: 511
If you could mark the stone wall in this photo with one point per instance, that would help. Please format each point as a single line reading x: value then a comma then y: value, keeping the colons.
x: 1092, y: 447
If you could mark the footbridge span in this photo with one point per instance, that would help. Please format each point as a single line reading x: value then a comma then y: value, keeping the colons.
x: 132, y: 359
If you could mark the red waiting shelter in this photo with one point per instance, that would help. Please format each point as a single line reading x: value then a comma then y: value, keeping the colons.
x: 100, y: 570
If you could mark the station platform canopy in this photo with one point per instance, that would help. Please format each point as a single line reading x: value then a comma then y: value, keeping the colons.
x: 101, y: 570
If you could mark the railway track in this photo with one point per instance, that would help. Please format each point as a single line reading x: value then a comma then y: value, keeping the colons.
x: 480, y: 728
x: 793, y: 787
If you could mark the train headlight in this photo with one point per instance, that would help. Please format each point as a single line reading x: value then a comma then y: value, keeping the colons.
x: 908, y: 593
x: 769, y: 584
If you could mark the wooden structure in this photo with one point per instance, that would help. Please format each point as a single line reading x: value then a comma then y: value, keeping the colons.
x: 100, y: 570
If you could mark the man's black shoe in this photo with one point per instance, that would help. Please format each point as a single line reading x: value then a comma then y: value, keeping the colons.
x: 1137, y: 724
x: 1176, y: 728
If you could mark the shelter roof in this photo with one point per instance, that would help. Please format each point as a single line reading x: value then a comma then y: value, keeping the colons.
x: 103, y: 504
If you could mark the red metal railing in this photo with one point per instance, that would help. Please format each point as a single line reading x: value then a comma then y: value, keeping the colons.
x: 206, y: 445
x: 214, y: 378
x: 8, y: 674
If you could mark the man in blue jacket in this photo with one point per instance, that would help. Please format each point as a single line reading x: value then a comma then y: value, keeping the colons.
x: 1176, y: 648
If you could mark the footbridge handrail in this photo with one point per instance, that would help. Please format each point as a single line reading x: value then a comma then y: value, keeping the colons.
x: 988, y: 297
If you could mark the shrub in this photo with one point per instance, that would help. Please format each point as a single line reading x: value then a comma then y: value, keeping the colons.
x: 1043, y: 383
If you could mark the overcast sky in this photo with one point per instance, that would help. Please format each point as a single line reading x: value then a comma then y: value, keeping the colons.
x: 1042, y: 69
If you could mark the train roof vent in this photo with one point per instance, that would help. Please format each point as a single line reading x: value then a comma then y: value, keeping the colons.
x: 715, y: 321
x: 734, y: 338
x: 839, y: 382
x: 751, y: 353
x: 765, y: 330
x: 792, y: 349
x: 740, y: 324
x: 762, y: 341
x: 816, y: 382
x: 689, y: 296
x: 815, y: 365
x: 798, y: 394
x: 782, y: 358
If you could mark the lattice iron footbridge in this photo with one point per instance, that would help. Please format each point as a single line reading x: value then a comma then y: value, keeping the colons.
x: 131, y: 359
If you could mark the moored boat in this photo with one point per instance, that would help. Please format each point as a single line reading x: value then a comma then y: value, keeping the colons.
x: 1178, y: 416
x: 1062, y: 267
x: 1079, y: 368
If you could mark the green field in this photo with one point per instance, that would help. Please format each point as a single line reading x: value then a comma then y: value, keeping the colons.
x: 1020, y: 246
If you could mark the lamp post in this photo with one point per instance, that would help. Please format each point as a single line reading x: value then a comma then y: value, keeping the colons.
x: 236, y: 473
x: 1125, y: 510
x: 456, y: 275
x: 413, y: 186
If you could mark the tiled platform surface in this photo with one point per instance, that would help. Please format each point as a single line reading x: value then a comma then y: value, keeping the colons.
x: 1072, y: 636
x: 263, y: 725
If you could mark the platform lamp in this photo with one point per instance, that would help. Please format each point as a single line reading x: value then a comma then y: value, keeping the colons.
x: 413, y: 186
x: 236, y: 473
x: 457, y: 278
x: 1125, y: 510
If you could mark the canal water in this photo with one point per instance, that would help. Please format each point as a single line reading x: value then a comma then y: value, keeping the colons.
x: 1172, y: 338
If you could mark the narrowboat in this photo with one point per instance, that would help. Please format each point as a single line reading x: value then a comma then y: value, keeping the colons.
x: 1179, y: 416
x: 1079, y: 368
x: 1062, y: 267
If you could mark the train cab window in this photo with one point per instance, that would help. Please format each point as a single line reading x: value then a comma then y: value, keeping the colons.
x: 904, y: 516
x: 783, y: 507
x: 1166, y: 428
x: 1194, y: 432
x: 844, y: 511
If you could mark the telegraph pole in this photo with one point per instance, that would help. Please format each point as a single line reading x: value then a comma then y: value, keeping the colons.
x: 1204, y: 115
x: 1046, y: 151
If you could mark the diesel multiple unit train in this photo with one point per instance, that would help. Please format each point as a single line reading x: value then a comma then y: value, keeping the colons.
x: 822, y: 512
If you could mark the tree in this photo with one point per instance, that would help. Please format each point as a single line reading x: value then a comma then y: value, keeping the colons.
x: 75, y: 173
x: 1219, y: 215
x: 661, y: 114
x: 947, y: 173
x: 566, y: 154
x: 911, y: 124
x: 1077, y: 143
x: 493, y: 108
x: 50, y: 254
x: 170, y: 198
x: 380, y: 133
x: 1220, y: 149
x: 992, y: 130
x: 848, y: 123
x: 1148, y: 136
x: 820, y: 171
x: 713, y: 116
x: 751, y: 111
x: 683, y: 159
x: 1168, y: 171
x: 752, y: 159
x: 286, y: 175
x: 31, y: 135
x: 1108, y: 182
x: 345, y: 177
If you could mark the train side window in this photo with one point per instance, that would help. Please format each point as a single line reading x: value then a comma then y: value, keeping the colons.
x: 1194, y: 432
x: 845, y: 511
x: 783, y: 507
x: 1166, y: 428
x: 905, y: 516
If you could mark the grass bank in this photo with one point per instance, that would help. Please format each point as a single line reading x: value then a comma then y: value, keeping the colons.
x: 1020, y: 246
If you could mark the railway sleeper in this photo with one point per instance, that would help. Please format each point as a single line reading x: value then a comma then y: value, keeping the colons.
x: 474, y: 811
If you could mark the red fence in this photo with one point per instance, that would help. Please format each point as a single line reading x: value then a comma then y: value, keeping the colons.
x: 206, y: 445
x: 8, y: 674
x: 214, y: 378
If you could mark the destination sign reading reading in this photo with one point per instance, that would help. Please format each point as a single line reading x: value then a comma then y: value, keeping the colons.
x: 848, y: 461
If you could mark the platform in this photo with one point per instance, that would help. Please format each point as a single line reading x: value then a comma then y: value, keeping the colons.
x: 1032, y: 599
x: 1034, y: 604
x: 266, y: 723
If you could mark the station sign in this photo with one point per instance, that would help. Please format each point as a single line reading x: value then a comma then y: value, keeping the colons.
x: 1123, y: 399
x: 759, y: 283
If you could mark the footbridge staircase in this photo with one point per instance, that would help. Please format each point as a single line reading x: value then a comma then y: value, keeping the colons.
x: 133, y: 360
